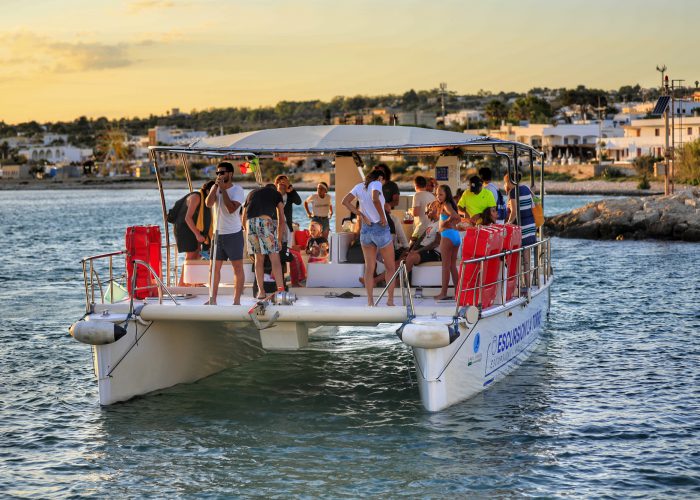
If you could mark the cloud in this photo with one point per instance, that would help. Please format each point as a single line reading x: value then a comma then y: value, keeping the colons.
x: 26, y: 54
x: 136, y: 6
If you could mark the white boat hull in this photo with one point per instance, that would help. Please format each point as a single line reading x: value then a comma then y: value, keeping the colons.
x: 481, y: 356
x: 166, y: 353
x: 168, y: 345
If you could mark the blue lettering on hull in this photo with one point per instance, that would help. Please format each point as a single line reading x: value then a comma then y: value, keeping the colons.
x: 507, y: 345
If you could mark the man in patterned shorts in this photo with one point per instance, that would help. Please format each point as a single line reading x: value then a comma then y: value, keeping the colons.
x: 264, y: 215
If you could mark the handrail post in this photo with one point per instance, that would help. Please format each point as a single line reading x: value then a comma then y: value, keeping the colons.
x: 504, y: 279
x: 458, y: 287
x: 481, y: 284
x: 92, y: 284
x: 154, y: 157
x: 111, y: 282
x: 412, y: 311
x: 87, y: 292
x: 386, y: 287
x: 161, y: 285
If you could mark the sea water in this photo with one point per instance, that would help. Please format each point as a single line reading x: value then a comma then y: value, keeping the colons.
x: 608, y: 405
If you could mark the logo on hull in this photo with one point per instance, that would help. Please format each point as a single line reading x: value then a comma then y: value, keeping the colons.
x: 507, y: 345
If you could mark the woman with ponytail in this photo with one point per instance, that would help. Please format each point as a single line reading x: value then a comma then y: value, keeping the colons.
x: 375, y: 234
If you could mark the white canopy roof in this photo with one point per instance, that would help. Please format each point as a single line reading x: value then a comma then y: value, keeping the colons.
x: 346, y: 138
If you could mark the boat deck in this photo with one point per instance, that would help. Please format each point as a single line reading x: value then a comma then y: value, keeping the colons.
x: 313, y: 305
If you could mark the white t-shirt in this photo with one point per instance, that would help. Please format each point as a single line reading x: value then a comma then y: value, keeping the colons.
x: 230, y: 223
x: 401, y: 241
x: 321, y: 207
x: 431, y: 232
x: 364, y: 196
x: 421, y: 200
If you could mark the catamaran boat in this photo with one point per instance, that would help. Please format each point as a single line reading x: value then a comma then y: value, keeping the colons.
x: 147, y: 333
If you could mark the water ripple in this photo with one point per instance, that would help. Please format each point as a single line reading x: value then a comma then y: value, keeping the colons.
x: 608, y: 406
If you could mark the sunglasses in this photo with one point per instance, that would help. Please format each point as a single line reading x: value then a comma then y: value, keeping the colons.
x: 222, y: 172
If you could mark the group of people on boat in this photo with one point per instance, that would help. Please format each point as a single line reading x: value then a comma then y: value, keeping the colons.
x: 441, y: 218
x: 266, y: 213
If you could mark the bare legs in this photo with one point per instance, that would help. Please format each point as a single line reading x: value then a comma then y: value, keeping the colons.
x: 239, y: 281
x: 387, y: 253
x: 276, y: 271
x: 449, y: 266
x: 215, y: 282
x: 370, y: 254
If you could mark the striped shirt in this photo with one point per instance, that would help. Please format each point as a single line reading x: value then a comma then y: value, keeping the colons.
x: 527, y: 220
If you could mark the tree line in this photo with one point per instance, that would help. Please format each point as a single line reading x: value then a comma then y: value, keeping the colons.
x: 538, y: 105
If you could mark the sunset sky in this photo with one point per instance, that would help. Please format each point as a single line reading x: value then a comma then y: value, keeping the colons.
x: 60, y: 59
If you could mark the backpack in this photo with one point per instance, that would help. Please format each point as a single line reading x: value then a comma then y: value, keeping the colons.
x: 177, y: 207
x: 501, y: 206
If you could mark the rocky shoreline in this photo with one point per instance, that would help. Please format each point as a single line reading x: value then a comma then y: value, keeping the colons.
x: 673, y: 217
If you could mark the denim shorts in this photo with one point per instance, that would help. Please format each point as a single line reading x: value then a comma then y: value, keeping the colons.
x: 375, y: 234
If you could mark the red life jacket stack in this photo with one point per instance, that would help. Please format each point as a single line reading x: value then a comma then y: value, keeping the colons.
x: 143, y: 243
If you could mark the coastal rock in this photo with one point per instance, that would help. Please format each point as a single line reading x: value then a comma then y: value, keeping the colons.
x: 674, y: 217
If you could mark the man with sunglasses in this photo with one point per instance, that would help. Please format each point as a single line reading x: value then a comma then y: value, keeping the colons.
x: 225, y: 200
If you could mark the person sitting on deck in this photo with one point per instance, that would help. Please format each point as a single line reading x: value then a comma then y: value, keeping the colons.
x: 317, y: 246
x: 426, y: 248
x: 421, y: 200
x: 321, y: 208
x: 475, y: 200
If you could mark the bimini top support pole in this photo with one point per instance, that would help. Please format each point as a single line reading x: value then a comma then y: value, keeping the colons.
x: 154, y: 157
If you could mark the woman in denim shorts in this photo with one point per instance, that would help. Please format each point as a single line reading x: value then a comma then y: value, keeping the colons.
x: 375, y: 234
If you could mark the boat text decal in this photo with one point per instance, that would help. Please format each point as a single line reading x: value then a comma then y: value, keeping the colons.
x: 506, y: 345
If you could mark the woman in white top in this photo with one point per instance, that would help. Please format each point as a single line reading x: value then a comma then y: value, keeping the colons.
x: 375, y: 234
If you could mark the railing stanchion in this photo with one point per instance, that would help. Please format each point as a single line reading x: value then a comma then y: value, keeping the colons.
x: 458, y: 287
x: 92, y: 285
x: 87, y: 292
x: 481, y: 283
x: 111, y: 282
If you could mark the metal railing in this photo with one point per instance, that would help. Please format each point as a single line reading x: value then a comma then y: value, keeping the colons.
x: 95, y: 286
x: 91, y: 276
x: 538, y: 274
x: 161, y: 286
x: 405, y: 285
x: 537, y: 271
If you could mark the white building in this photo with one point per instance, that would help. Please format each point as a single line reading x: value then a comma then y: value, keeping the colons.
x: 169, y: 136
x: 648, y: 137
x: 49, y: 139
x: 139, y: 145
x: 577, y: 140
x: 464, y: 117
x: 56, y: 154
